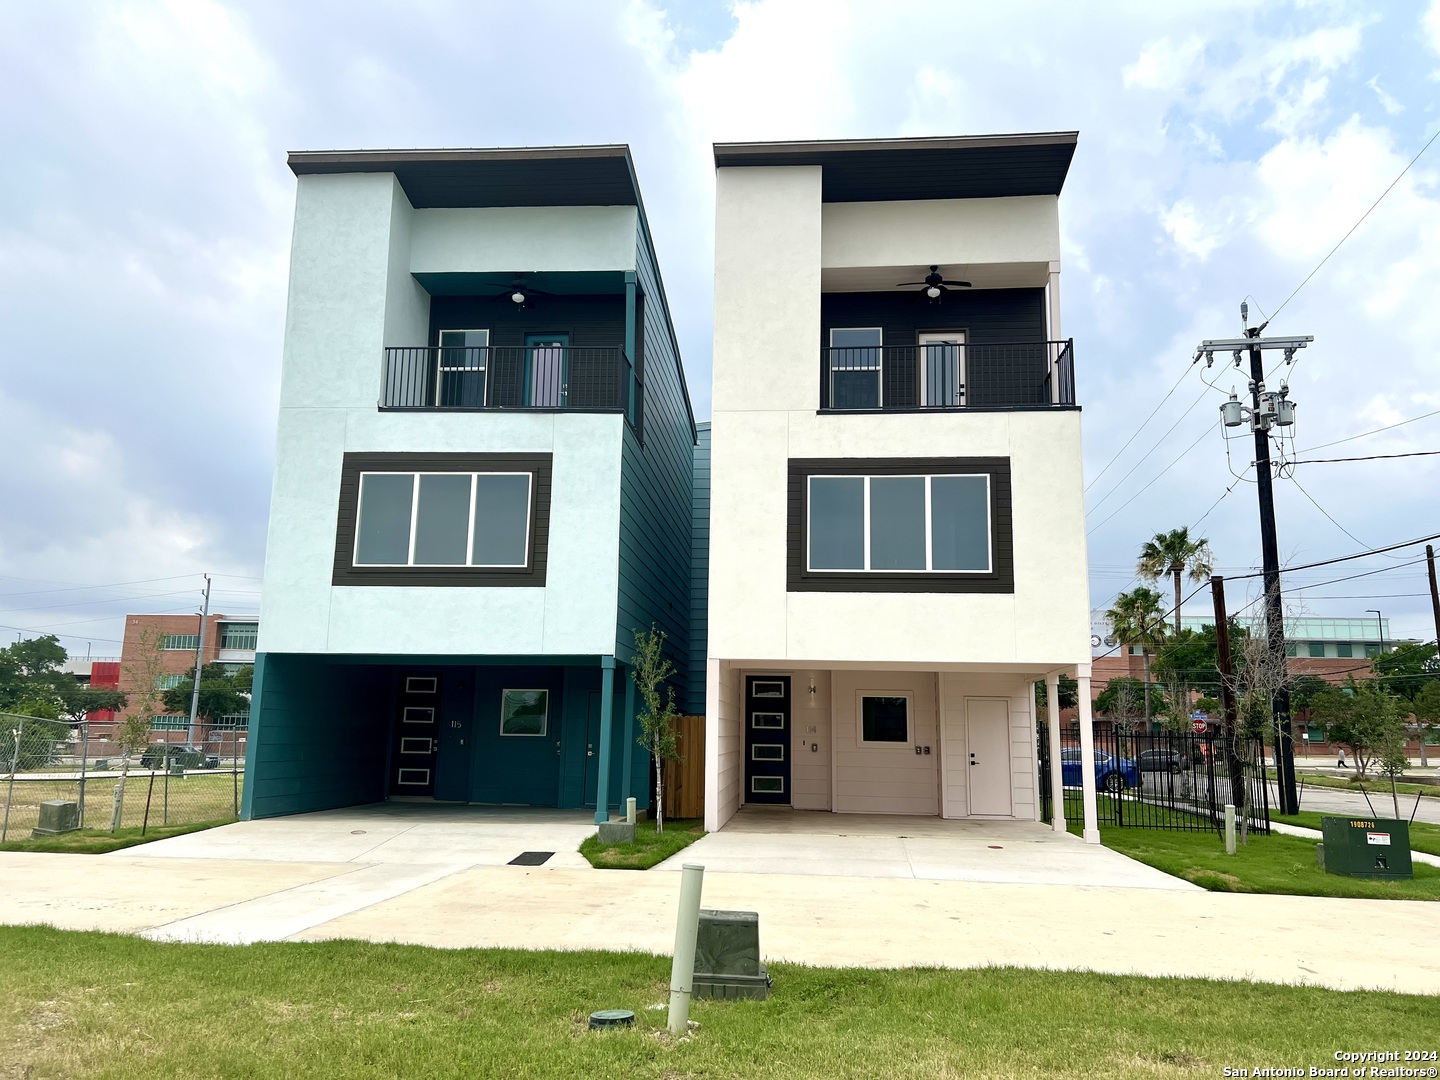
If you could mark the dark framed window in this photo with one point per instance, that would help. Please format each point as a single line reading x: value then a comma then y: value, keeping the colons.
x: 443, y: 519
x: 884, y: 718
x: 900, y: 525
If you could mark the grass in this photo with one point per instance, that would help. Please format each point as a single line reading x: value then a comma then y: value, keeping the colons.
x: 99, y: 841
x: 649, y: 848
x: 1375, y: 785
x: 97, y: 1005
x: 1267, y: 864
x: 194, y: 797
x: 1423, y: 835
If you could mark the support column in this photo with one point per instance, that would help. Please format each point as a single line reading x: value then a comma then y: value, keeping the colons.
x: 628, y: 760
x: 607, y: 730
x: 712, y: 744
x: 1057, y: 770
x: 1087, y: 755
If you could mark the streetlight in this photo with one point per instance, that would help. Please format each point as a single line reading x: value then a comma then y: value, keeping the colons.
x: 1380, y: 625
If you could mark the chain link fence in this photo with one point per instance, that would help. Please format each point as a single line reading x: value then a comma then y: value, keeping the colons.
x: 169, y: 782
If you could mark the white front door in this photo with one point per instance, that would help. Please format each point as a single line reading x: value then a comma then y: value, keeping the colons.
x: 942, y: 368
x: 987, y: 735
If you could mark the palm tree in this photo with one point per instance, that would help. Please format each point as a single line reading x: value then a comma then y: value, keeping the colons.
x: 1137, y: 617
x: 1175, y: 553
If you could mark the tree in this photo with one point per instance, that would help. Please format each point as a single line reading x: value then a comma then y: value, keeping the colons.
x: 1362, y: 716
x: 133, y: 731
x: 1303, y: 689
x: 33, y: 679
x: 1137, y: 617
x: 651, y: 672
x: 1175, y: 553
x: 1069, y: 693
x: 1408, y: 667
x: 78, y: 702
x: 1121, y: 701
x: 221, y: 692
x: 1427, y: 714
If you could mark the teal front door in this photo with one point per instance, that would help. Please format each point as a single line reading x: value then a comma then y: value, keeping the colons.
x: 546, y: 369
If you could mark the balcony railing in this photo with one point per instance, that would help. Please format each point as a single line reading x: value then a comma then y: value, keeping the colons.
x: 508, y: 377
x: 1013, y: 375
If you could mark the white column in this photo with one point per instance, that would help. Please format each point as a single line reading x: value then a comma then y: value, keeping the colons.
x: 1052, y: 299
x: 712, y: 744
x: 1057, y: 778
x: 1087, y: 755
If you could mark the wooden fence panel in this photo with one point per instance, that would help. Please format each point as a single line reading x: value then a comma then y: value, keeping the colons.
x: 685, y: 779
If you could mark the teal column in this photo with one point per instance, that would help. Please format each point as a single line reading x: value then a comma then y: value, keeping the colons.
x: 631, y: 293
x: 607, y: 709
x: 252, y: 737
x: 629, y: 759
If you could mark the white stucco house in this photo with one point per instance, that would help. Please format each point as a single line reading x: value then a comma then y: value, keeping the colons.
x: 897, y: 538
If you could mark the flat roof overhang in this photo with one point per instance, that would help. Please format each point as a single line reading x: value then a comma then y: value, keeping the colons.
x: 886, y: 170
x: 503, y: 176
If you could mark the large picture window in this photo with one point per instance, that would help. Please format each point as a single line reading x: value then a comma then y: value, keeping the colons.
x: 443, y: 519
x: 914, y: 524
x: 900, y: 525
x: 885, y: 719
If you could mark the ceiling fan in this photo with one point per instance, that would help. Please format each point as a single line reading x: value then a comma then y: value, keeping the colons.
x: 519, y: 293
x: 935, y: 285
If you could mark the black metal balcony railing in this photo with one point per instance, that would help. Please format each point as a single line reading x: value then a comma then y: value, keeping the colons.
x: 507, y: 377
x: 1026, y: 374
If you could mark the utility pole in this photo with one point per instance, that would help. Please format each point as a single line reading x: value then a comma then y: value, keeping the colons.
x: 1268, y: 408
x: 199, y: 663
x: 1229, y: 722
x: 1434, y: 590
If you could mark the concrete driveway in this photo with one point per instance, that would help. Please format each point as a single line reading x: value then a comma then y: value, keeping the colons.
x: 778, y: 840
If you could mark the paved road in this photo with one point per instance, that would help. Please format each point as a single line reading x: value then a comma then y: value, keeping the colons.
x: 1334, y: 801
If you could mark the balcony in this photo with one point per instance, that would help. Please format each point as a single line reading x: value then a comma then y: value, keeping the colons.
x: 472, y: 378
x: 947, y: 376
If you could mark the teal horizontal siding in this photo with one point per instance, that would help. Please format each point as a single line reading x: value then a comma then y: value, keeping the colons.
x: 699, y: 567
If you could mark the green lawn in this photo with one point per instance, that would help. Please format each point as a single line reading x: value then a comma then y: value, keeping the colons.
x: 1267, y: 864
x: 649, y: 848
x: 1375, y: 785
x: 99, y: 841
x: 95, y: 1005
x: 194, y: 797
x: 1423, y: 835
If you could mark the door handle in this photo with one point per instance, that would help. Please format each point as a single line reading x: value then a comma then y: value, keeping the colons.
x: 589, y: 750
x: 557, y: 749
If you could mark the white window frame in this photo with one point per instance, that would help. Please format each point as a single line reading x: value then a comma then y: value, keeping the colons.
x: 429, y: 747
x: 922, y: 356
x: 469, y: 562
x: 861, y: 741
x: 755, y: 754
x: 780, y: 780
x: 412, y: 688
x: 440, y: 367
x: 879, y: 369
x: 754, y: 713
x: 544, y: 726
x: 427, y: 719
x: 929, y: 479
x: 400, y: 777
x: 757, y: 683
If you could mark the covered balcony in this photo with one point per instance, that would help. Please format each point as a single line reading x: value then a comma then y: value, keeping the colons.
x: 547, y: 375
x: 858, y: 374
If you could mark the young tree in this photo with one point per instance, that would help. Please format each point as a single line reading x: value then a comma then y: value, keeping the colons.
x: 1137, y: 617
x: 1362, y: 716
x: 1426, y: 707
x: 133, y: 731
x: 1174, y: 553
x: 651, y: 672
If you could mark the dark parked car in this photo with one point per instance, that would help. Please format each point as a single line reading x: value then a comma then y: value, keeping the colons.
x: 1112, y: 774
x: 1162, y: 761
x: 188, y: 757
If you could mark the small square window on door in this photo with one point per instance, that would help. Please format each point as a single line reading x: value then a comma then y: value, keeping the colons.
x: 767, y: 764
x: 414, y: 746
x: 421, y: 684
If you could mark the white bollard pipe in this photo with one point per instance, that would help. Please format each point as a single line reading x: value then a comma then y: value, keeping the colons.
x: 1229, y: 828
x: 687, y: 927
x: 630, y: 810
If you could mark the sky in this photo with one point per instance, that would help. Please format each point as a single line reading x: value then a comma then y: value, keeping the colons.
x: 1224, y: 149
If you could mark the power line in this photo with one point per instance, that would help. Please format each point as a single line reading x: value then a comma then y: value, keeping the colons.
x: 1329, y: 517
x: 1146, y: 456
x: 1135, y: 434
x: 1347, y: 558
x: 1375, y: 431
x: 1357, y: 225
x: 1152, y: 480
x: 1368, y: 457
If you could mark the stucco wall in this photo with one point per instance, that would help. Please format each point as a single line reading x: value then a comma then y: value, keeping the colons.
x: 507, y: 239
x: 964, y: 232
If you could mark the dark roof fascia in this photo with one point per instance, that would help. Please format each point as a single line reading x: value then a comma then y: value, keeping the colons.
x: 971, y: 166
x: 664, y: 302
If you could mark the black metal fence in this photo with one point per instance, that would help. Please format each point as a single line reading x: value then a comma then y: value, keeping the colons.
x: 1157, y: 780
x: 949, y: 376
x: 507, y: 377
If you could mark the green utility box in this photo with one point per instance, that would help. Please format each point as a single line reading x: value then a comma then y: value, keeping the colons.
x: 1366, y: 847
x: 727, y: 956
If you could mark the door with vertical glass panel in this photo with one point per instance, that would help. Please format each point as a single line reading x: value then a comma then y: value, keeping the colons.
x: 545, y: 369
x: 461, y: 368
x: 416, y: 742
x: 942, y: 368
x: 767, y: 739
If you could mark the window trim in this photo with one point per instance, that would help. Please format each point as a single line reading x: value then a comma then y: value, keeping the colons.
x: 890, y: 744
x: 545, y: 719
x: 532, y: 575
x: 469, y: 518
x: 929, y: 527
x: 999, y: 579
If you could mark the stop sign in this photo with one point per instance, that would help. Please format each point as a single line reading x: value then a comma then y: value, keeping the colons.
x: 1199, y: 726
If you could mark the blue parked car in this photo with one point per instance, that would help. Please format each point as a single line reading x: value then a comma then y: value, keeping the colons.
x: 1112, y: 774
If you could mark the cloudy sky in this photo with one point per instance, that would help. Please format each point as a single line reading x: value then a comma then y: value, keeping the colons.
x: 1225, y: 147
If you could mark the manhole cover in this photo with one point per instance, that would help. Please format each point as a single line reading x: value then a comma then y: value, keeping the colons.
x: 531, y: 858
x: 357, y: 832
x: 995, y: 847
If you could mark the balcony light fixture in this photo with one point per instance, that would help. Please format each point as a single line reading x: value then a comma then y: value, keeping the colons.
x: 933, y: 292
x: 518, y: 296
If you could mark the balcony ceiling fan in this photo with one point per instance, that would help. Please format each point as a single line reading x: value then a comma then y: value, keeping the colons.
x: 935, y: 286
x: 519, y: 294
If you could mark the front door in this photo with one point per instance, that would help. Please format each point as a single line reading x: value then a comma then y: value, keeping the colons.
x: 942, y: 368
x: 545, y: 370
x: 987, y: 733
x: 767, y: 739
x: 417, y: 733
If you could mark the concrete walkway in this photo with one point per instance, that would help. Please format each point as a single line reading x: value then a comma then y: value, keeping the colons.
x: 765, y: 840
